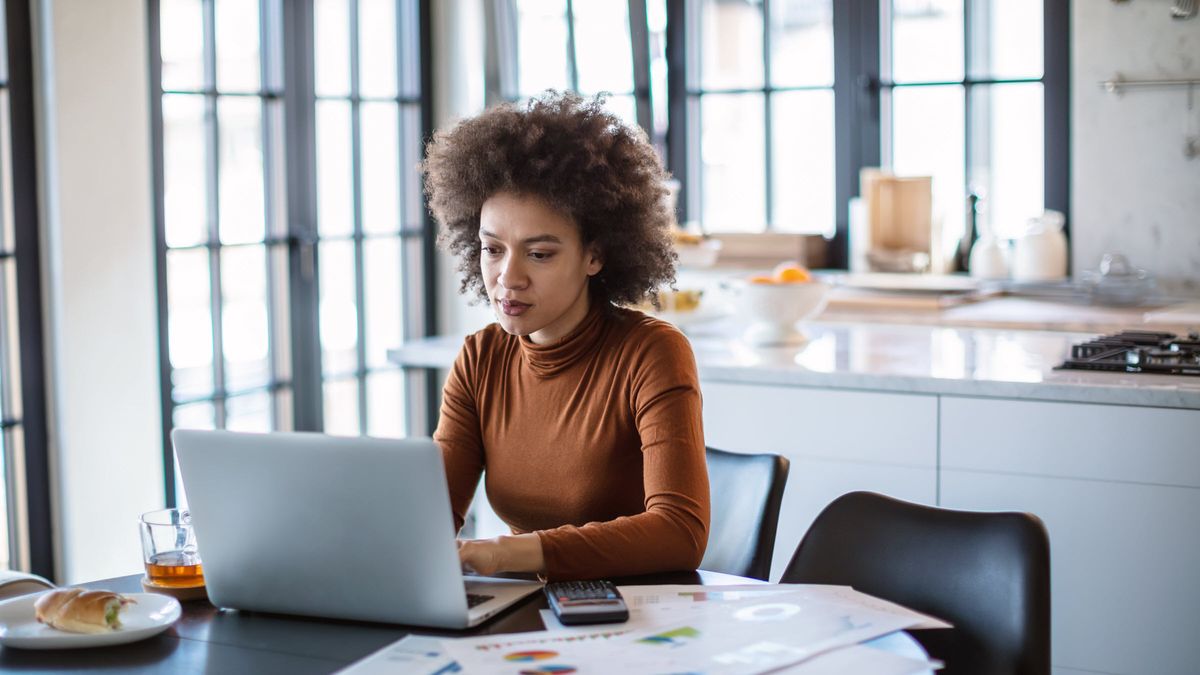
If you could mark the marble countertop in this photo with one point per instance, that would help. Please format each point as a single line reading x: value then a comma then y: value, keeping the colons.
x: 918, y: 359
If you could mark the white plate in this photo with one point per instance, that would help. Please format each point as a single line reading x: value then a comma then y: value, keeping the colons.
x: 19, y: 626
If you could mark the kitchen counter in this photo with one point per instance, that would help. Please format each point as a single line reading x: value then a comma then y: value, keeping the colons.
x: 928, y: 359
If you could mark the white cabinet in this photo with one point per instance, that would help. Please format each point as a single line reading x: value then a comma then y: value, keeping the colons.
x: 837, y: 441
x: 1119, y: 490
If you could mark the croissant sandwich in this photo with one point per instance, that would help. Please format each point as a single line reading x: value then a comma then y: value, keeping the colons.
x: 80, y: 611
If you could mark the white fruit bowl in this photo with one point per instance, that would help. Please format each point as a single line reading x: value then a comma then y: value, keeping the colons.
x: 771, y: 311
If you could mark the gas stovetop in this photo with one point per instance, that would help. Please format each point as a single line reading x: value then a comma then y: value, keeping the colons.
x: 1134, y: 351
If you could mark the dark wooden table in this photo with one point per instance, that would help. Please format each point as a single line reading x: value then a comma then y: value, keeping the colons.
x: 211, y: 640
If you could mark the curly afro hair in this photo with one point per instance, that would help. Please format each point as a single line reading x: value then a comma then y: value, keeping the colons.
x: 580, y: 159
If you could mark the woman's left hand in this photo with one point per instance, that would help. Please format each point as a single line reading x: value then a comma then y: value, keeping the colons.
x: 481, y: 556
x: 515, y: 553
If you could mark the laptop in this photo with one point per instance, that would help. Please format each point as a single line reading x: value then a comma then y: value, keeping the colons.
x: 346, y: 528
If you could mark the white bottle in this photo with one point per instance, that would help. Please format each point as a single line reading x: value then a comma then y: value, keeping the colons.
x: 989, y: 259
x: 1041, y: 253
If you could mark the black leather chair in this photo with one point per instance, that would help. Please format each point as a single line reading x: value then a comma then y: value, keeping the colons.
x: 746, y: 491
x: 986, y: 573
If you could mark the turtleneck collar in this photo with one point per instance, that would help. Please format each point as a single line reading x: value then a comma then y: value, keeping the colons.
x: 550, y: 359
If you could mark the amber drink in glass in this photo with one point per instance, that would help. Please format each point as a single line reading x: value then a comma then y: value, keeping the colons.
x: 169, y: 549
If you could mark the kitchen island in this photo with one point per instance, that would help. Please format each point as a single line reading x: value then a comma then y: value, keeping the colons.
x: 980, y: 419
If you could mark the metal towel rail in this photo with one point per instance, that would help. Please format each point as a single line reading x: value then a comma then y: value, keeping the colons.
x: 1117, y: 83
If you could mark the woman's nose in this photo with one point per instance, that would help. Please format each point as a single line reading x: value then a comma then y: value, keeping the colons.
x: 512, y: 273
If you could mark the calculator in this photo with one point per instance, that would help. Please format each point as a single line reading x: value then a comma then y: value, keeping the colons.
x: 581, y: 602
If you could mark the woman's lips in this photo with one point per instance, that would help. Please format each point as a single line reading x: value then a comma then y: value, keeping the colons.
x: 513, y: 308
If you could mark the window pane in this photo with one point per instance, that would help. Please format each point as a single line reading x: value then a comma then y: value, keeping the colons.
x: 542, y: 46
x: 184, y: 176
x: 281, y: 333
x: 339, y: 315
x: 656, y: 20
x: 624, y: 107
x: 277, y: 164
x: 182, y: 44
x: 237, y: 45
x: 385, y: 404
x: 192, y: 416
x: 731, y: 44
x: 251, y: 412
x: 410, y: 48
x: 731, y: 153
x: 10, y: 340
x: 414, y: 205
x: 244, y: 316
x: 928, y: 140
x: 603, y: 54
x: 802, y: 43
x: 7, y: 233
x: 3, y: 47
x: 332, y: 38
x: 341, y: 407
x: 804, y: 161
x: 380, y: 167
x: 927, y: 40
x: 189, y: 323
x: 377, y: 47
x: 195, y: 416
x: 282, y: 406
x: 5, y: 544
x: 335, y: 206
x: 383, y: 288
x: 1006, y: 39
x: 1008, y: 153
x: 242, y: 205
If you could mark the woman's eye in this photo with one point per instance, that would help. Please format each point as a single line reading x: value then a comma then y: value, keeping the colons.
x: 540, y: 255
x: 490, y: 250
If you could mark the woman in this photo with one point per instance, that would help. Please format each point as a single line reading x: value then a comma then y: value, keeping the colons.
x: 585, y: 415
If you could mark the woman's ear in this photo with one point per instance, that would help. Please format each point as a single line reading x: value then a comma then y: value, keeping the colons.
x: 595, y: 261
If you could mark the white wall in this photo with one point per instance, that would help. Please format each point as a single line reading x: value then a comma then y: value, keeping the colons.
x: 1133, y: 191
x: 94, y: 159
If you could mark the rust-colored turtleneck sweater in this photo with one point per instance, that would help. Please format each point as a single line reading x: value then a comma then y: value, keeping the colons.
x: 593, y: 442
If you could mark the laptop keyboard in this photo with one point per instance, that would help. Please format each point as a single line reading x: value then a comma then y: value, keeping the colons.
x: 474, y: 599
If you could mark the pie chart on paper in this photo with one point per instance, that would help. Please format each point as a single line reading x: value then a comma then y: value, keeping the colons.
x: 528, y: 657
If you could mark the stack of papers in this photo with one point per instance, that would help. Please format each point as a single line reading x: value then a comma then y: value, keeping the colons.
x: 717, y: 630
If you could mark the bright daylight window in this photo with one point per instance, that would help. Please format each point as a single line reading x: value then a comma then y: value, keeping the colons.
x: 25, y: 529
x: 760, y: 115
x: 960, y: 90
x: 290, y: 214
x: 588, y: 46
x: 963, y: 101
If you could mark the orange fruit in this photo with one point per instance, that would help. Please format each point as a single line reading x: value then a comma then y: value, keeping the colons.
x: 759, y: 279
x: 792, y: 274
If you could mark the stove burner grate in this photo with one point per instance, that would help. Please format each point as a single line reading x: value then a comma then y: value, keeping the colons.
x: 1134, y: 351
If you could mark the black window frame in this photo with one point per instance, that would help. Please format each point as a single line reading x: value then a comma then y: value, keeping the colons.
x: 32, y: 534
x: 502, y: 82
x: 291, y: 29
x: 858, y: 89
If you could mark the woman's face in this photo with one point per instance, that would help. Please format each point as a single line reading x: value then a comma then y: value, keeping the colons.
x: 535, y: 267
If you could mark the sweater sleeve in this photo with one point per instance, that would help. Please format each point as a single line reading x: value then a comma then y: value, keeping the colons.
x: 458, y: 433
x: 672, y: 532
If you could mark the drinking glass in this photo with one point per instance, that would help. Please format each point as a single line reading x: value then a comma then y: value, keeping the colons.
x: 169, y: 549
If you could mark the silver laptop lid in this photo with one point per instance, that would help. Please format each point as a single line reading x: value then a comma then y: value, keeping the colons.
x: 301, y: 523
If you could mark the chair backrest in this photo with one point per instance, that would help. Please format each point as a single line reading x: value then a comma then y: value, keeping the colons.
x: 746, y: 491
x: 986, y: 573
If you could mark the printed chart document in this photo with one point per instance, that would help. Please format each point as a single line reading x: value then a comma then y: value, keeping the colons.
x: 799, y: 629
x: 411, y: 655
x: 646, y: 600
x: 858, y: 659
x: 733, y: 637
